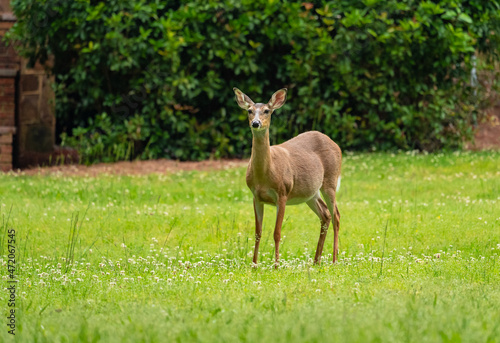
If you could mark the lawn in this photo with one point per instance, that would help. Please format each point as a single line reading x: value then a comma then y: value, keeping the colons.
x: 167, y: 258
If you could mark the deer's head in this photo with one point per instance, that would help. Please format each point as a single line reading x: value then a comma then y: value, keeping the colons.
x: 259, y: 115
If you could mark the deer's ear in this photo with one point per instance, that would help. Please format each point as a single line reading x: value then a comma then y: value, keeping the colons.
x: 242, y: 99
x: 278, y: 99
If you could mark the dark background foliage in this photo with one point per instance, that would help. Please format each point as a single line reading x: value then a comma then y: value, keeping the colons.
x: 154, y: 78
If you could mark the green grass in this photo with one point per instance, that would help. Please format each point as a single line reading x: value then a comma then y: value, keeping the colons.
x: 168, y: 258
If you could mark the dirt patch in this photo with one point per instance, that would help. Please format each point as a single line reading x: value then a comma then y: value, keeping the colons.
x: 161, y: 166
x: 488, y: 132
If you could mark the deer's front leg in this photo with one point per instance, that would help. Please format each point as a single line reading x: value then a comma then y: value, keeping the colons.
x: 280, y: 213
x: 258, y: 209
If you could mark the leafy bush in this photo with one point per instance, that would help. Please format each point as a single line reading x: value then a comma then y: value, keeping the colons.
x: 154, y: 78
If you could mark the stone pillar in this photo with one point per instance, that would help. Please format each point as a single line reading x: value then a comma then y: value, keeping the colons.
x: 36, y: 118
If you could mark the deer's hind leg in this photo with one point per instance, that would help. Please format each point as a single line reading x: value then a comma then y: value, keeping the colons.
x: 329, y: 195
x: 320, y: 208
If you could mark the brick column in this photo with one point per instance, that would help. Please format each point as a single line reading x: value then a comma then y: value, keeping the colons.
x: 7, y: 116
x: 9, y: 66
x: 6, y: 140
x: 26, y: 106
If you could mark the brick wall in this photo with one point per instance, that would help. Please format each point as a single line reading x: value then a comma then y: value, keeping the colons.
x: 9, y: 67
x: 5, y: 6
x: 7, y: 117
x: 6, y: 140
x: 27, y: 116
x: 7, y: 97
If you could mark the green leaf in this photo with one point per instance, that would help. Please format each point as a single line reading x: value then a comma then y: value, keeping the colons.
x: 465, y: 18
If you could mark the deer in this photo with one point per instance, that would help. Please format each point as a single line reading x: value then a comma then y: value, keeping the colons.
x: 294, y: 172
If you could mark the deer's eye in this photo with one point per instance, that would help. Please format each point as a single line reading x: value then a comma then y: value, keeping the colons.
x: 250, y: 112
x: 266, y: 111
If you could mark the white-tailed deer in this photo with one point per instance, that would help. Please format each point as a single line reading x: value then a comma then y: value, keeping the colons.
x: 291, y: 173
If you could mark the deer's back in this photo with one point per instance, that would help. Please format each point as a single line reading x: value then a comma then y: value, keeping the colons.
x: 308, y: 162
x: 314, y: 143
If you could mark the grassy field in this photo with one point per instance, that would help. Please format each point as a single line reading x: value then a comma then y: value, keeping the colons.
x: 167, y: 258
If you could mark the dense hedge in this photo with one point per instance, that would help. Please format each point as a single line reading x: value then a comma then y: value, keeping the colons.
x: 154, y: 78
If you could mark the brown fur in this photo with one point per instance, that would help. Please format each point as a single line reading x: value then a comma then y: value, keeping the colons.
x: 294, y: 172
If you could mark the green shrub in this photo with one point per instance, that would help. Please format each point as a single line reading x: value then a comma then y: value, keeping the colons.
x: 154, y: 78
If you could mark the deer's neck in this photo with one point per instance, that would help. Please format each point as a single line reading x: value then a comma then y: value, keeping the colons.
x: 261, y: 152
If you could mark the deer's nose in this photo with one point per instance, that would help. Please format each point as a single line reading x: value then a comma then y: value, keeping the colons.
x: 256, y: 124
